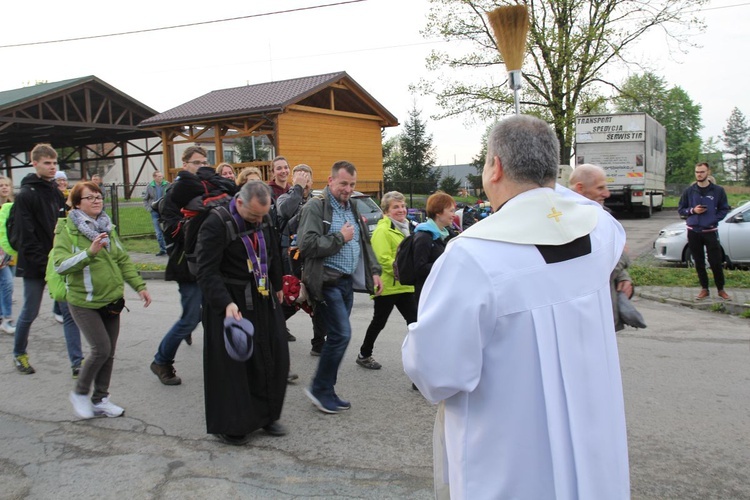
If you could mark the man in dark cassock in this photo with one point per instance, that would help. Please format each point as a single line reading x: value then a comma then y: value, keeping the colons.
x: 240, y: 274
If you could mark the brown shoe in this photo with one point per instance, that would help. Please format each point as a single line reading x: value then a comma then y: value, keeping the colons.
x: 724, y: 295
x: 703, y: 294
x: 166, y: 374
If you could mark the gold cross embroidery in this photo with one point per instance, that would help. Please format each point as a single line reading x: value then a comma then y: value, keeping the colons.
x: 555, y: 215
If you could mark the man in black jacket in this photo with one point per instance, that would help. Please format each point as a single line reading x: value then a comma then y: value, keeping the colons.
x: 37, y: 207
x: 195, y: 181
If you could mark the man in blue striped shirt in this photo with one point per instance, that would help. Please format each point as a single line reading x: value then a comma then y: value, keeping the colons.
x: 333, y: 240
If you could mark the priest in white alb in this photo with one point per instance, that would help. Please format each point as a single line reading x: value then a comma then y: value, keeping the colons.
x: 515, y: 338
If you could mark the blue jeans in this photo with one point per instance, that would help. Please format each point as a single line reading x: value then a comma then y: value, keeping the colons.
x: 6, y: 292
x: 33, y: 288
x: 190, y: 297
x: 157, y: 230
x: 335, y: 310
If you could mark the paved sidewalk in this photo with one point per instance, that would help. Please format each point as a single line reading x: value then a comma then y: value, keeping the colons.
x: 684, y: 296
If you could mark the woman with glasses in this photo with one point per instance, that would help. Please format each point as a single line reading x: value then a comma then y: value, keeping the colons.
x: 88, y: 253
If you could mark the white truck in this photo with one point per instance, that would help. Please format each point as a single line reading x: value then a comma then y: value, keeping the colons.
x: 632, y: 150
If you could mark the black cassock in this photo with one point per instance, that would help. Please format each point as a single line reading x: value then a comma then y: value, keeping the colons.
x: 240, y: 397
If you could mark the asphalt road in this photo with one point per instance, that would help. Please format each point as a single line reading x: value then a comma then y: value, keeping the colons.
x: 686, y: 381
x: 642, y: 232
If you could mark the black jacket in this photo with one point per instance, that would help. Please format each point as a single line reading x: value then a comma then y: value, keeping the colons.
x: 37, y: 207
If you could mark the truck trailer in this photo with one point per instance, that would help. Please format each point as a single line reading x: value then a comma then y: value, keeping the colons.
x: 632, y: 150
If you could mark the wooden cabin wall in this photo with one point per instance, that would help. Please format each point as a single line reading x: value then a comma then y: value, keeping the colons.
x: 320, y: 139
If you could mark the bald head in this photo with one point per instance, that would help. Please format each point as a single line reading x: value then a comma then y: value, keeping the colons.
x: 589, y: 181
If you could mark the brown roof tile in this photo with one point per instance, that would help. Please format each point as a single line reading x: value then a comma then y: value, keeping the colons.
x: 262, y: 97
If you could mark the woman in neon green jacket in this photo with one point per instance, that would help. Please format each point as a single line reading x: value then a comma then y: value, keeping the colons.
x: 391, y: 230
x: 88, y: 252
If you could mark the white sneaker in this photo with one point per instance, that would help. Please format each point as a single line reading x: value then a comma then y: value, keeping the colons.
x: 108, y: 409
x: 7, y: 327
x: 82, y: 405
x: 59, y: 318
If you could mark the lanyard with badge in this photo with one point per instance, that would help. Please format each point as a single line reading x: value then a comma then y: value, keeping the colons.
x: 257, y: 261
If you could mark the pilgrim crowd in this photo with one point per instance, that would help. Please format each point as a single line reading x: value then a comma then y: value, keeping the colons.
x: 525, y: 374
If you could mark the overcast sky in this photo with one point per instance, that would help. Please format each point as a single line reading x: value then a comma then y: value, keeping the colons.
x: 377, y: 42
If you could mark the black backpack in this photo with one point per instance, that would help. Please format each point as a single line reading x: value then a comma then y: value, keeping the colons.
x: 403, y: 264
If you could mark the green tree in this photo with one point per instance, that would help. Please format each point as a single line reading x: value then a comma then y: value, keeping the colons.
x: 673, y: 108
x: 713, y: 155
x: 391, y: 156
x: 253, y: 148
x: 416, y: 155
x: 571, y: 44
x: 737, y: 141
x: 450, y: 185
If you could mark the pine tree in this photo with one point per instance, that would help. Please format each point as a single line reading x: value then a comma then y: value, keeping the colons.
x: 736, y: 138
x: 416, y: 159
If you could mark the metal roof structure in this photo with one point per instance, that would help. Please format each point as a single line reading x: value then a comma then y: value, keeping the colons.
x: 70, y: 113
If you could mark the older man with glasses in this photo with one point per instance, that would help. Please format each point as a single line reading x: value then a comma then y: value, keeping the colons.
x: 193, y: 181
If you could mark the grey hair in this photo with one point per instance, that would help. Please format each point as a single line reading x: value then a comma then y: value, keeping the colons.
x: 258, y: 190
x: 584, y: 173
x: 528, y: 150
x: 389, y: 198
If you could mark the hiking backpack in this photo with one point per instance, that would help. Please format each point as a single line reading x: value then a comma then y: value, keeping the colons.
x: 403, y: 264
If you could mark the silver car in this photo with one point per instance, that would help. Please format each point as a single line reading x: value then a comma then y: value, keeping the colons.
x: 734, y: 235
x: 366, y: 206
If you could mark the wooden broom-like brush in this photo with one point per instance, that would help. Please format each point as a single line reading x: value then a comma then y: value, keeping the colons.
x: 511, y: 26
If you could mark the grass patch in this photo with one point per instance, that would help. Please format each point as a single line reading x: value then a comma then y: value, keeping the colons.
x: 141, y: 245
x: 683, y: 277
x: 735, y: 200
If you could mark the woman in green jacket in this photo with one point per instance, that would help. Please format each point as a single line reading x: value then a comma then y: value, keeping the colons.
x: 87, y: 251
x: 391, y: 230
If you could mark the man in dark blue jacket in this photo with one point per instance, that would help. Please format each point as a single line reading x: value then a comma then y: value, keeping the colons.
x: 705, y: 205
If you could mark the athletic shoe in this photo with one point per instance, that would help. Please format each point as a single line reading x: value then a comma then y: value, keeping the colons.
x: 326, y: 404
x: 161, y: 252
x: 7, y: 327
x: 59, y: 318
x: 82, y: 405
x: 341, y: 404
x: 166, y: 374
x: 368, y: 362
x: 315, y: 351
x: 22, y: 364
x: 106, y: 408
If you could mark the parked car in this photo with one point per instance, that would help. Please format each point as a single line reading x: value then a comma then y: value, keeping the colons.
x: 734, y: 235
x: 366, y: 206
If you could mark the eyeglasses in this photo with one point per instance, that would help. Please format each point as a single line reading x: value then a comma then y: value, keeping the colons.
x: 199, y: 163
x: 92, y: 198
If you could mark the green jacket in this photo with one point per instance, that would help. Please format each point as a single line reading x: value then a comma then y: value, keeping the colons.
x: 93, y: 282
x: 4, y: 243
x: 385, y: 240
x: 316, y: 243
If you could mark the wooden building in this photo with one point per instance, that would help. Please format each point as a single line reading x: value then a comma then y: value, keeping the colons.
x: 316, y: 120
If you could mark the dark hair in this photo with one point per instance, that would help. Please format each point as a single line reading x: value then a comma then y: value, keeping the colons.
x: 703, y: 163
x: 343, y: 164
x: 437, y: 202
x: 189, y: 152
x: 77, y: 192
x: 43, y: 151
